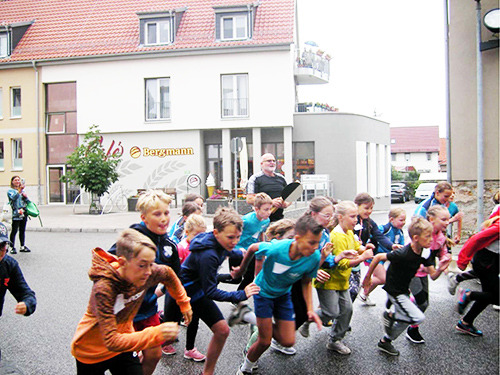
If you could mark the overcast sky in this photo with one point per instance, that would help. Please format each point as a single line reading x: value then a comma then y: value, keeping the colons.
x: 387, y: 56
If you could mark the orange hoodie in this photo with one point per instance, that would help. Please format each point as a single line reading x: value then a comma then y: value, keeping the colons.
x: 106, y: 328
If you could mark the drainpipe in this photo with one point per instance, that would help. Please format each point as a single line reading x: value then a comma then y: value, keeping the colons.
x: 479, y: 78
x: 37, y: 98
x: 447, y: 91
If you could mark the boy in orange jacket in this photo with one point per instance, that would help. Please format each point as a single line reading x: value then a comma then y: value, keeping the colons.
x: 105, y: 337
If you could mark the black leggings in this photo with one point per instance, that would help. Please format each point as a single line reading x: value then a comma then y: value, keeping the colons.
x: 172, y: 313
x: 485, y: 266
x: 21, y: 226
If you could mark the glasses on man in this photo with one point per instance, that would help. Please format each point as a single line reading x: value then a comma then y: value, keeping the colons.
x: 270, y: 161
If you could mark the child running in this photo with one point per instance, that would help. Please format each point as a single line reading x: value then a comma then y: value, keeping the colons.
x: 286, y: 262
x: 105, y: 338
x: 404, y: 264
x: 367, y: 232
x: 333, y: 294
x: 483, y: 249
x: 394, y: 231
x: 199, y: 276
x: 439, y: 217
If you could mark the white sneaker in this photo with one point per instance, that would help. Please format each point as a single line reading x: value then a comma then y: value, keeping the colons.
x: 283, y: 349
x: 339, y: 347
x: 304, y: 329
x: 452, y: 283
x: 366, y: 299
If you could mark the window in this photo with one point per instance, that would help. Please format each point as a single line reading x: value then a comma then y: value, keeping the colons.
x: 393, y: 157
x: 234, y: 27
x: 1, y: 106
x: 157, y: 99
x: 4, y: 45
x: 17, y: 154
x: 303, y: 159
x: 15, y: 110
x: 235, y: 95
x: 429, y: 156
x: 2, y: 165
x: 158, y: 32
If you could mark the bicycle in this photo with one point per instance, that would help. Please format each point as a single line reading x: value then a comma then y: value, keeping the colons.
x: 118, y: 199
x: 82, y: 199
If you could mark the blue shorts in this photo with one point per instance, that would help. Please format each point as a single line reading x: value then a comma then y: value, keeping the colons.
x: 281, y: 307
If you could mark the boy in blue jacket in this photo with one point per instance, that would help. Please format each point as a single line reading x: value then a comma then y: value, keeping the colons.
x: 12, y: 279
x: 199, y: 277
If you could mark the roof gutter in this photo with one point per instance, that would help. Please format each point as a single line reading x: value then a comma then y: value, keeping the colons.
x: 149, y: 54
x: 38, y: 166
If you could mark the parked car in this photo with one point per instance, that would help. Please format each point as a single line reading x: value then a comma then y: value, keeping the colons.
x: 424, y: 191
x: 399, y: 192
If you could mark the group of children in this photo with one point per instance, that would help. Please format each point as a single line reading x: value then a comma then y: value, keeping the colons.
x: 124, y: 332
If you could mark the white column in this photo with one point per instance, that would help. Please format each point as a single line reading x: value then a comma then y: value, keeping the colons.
x: 287, y: 148
x: 372, y: 169
x: 361, y: 167
x: 257, y: 149
x: 226, y: 159
x: 388, y: 170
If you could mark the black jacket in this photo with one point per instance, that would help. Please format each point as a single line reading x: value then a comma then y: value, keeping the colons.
x: 12, y: 279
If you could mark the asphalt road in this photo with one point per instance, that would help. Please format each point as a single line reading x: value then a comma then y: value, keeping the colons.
x: 57, y: 271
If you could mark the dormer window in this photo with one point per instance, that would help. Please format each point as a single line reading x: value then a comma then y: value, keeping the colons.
x: 159, y: 28
x: 158, y: 32
x: 234, y: 22
x: 3, y: 45
x: 234, y: 27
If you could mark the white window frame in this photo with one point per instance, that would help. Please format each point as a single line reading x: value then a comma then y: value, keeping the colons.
x: 1, y: 103
x: 17, y: 149
x: 158, y: 40
x: 237, y: 105
x: 235, y: 28
x: 157, y: 98
x: 2, y: 155
x: 4, y: 45
x: 13, y: 113
x: 47, y: 120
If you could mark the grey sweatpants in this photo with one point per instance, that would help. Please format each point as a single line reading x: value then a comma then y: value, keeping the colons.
x: 406, y: 313
x: 335, y: 305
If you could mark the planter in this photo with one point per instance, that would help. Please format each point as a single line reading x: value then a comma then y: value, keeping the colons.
x: 214, y: 204
x: 132, y: 202
x: 243, y: 207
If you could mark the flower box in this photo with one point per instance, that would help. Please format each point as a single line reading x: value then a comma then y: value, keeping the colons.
x: 214, y: 204
x: 132, y: 202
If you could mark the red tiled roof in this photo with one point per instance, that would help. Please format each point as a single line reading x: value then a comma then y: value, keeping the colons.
x: 76, y: 28
x: 415, y: 139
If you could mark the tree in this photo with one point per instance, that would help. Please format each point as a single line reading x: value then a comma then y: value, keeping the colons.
x: 92, y: 169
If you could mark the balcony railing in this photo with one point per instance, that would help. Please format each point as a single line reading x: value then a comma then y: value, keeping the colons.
x: 234, y: 107
x: 313, y: 68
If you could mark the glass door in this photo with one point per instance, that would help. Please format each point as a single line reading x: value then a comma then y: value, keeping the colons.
x: 56, y: 188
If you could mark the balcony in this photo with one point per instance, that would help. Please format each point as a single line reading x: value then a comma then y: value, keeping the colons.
x: 312, y: 68
x: 234, y: 107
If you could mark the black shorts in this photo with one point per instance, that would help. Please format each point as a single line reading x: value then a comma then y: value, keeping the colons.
x: 123, y: 364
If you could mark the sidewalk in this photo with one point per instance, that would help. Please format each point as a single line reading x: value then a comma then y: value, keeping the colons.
x: 61, y: 218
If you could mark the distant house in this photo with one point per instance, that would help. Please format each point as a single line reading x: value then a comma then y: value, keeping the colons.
x: 415, y: 148
x: 442, y: 159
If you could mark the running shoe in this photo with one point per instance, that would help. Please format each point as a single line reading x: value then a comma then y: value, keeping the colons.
x: 366, y: 299
x: 168, y: 349
x: 304, y: 329
x: 288, y: 350
x: 463, y: 300
x: 387, y: 348
x: 194, y: 355
x: 468, y: 329
x: 452, y: 283
x: 236, y: 316
x: 339, y: 347
x: 413, y: 334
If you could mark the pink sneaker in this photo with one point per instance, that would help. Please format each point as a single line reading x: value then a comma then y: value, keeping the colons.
x: 194, y: 354
x: 168, y: 349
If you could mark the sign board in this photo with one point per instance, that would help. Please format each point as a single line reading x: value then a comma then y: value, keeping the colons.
x: 236, y: 145
x: 315, y: 181
x: 193, y: 180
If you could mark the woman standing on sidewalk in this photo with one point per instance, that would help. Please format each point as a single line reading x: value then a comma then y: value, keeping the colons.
x: 18, y: 200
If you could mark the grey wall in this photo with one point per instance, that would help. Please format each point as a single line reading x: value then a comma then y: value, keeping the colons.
x: 334, y: 136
